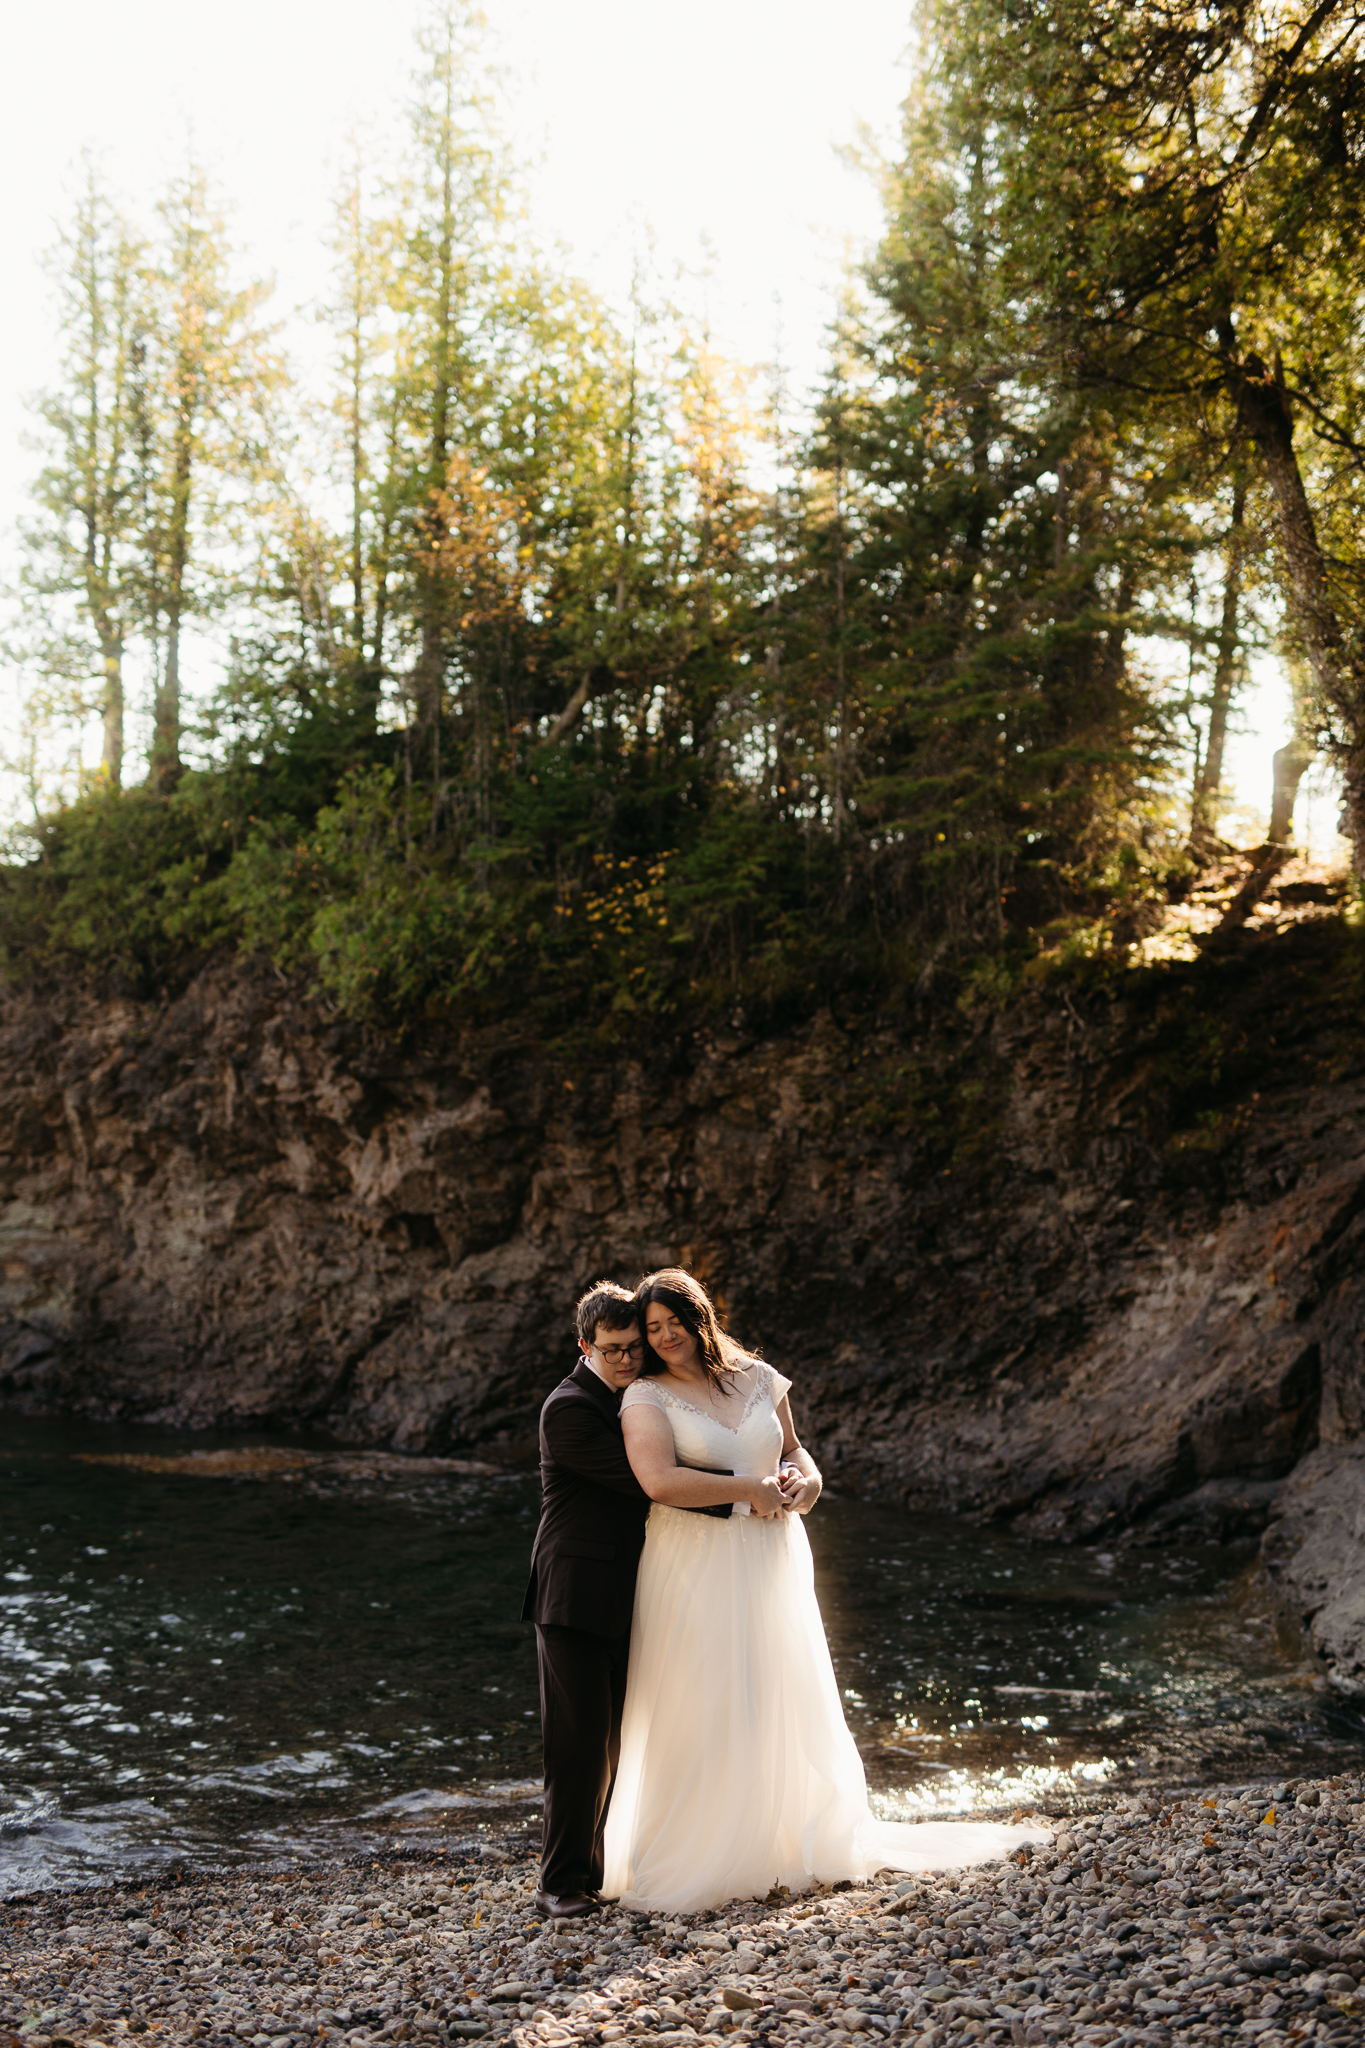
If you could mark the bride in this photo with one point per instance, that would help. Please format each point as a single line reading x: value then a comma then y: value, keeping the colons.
x: 737, y: 1769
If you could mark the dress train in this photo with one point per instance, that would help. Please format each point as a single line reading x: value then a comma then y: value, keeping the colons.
x: 737, y: 1770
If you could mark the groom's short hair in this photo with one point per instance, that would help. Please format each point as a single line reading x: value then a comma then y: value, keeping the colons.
x: 607, y: 1303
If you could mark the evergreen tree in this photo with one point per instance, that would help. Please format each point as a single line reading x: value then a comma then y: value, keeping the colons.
x: 446, y: 272
x: 363, y: 408
x: 81, y: 576
x: 1185, y: 191
x: 203, y: 435
x: 985, y: 547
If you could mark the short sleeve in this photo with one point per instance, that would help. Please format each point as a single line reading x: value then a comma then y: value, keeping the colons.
x: 640, y: 1394
x: 777, y: 1386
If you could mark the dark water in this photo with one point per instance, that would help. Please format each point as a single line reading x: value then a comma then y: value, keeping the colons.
x: 323, y: 1651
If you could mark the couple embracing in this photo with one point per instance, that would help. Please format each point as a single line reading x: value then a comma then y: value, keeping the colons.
x: 695, y: 1746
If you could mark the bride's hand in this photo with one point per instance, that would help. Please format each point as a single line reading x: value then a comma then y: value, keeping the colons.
x: 800, y: 1491
x: 766, y: 1499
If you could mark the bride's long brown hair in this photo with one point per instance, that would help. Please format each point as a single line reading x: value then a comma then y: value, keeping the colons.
x: 675, y: 1289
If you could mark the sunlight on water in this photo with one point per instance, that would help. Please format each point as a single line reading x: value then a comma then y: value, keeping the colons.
x: 987, y: 1791
x: 515, y: 1791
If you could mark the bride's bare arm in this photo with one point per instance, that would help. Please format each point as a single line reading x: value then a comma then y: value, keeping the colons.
x: 799, y: 1494
x: 649, y: 1446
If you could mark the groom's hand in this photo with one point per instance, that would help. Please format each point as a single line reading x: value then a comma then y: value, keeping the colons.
x: 766, y: 1499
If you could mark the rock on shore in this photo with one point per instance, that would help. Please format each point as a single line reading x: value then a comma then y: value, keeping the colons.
x: 1314, y: 1552
x: 1233, y: 1914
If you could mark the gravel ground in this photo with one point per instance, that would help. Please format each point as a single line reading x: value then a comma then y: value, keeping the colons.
x: 1231, y: 1915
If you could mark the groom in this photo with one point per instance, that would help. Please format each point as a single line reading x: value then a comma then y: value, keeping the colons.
x: 587, y: 1552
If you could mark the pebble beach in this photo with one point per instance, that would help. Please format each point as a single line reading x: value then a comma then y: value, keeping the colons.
x: 1230, y: 1914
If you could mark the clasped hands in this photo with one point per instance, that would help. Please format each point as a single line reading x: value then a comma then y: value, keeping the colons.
x: 786, y: 1492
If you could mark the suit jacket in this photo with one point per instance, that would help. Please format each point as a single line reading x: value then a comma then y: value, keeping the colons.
x: 592, y: 1523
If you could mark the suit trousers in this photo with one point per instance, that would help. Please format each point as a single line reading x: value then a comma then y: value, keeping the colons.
x: 582, y: 1693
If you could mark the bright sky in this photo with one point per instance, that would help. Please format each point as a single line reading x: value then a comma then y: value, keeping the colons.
x: 716, y: 127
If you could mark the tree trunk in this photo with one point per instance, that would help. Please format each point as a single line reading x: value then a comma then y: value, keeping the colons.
x: 569, y: 714
x: 107, y: 631
x: 166, y: 733
x: 1289, y: 765
x: 357, y: 504
x: 103, y: 466
x: 1267, y: 417
x: 111, y: 754
x: 1114, y: 648
x: 627, y: 494
x: 1209, y: 779
x: 840, y: 676
x: 431, y: 660
x: 355, y: 343
x: 384, y: 545
x: 166, y: 730
x: 1271, y: 860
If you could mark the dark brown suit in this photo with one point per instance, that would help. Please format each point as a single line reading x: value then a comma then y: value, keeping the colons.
x: 582, y: 1590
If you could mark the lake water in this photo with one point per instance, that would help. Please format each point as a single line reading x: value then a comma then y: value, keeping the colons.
x: 226, y: 1648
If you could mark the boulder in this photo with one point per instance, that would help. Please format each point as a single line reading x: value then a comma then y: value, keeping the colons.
x: 1314, y: 1556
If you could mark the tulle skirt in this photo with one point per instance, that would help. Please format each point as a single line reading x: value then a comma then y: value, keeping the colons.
x: 737, y: 1769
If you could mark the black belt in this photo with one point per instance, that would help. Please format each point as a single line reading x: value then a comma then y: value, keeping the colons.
x: 720, y: 1508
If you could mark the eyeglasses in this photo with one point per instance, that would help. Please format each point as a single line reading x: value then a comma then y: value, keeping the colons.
x: 615, y: 1354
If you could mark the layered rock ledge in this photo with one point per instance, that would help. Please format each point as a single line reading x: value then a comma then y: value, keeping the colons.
x: 1093, y: 1265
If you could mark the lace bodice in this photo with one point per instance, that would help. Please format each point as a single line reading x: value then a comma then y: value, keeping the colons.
x: 751, y: 1448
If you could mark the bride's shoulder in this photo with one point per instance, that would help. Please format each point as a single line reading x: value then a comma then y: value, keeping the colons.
x: 643, y: 1394
x: 757, y: 1374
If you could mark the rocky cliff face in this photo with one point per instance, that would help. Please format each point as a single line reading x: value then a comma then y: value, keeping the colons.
x: 1096, y: 1264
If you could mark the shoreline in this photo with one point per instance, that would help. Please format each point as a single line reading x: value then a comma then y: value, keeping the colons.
x: 1190, y: 1916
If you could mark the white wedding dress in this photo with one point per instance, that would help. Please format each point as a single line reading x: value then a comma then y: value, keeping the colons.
x: 737, y: 1769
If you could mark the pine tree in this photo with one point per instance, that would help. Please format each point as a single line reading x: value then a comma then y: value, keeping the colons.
x: 445, y: 275
x: 204, y: 435
x: 1186, y: 195
x: 1208, y: 777
x: 982, y: 549
x: 83, y: 546
x: 357, y: 317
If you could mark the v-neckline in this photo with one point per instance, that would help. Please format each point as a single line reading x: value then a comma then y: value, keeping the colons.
x: 694, y: 1408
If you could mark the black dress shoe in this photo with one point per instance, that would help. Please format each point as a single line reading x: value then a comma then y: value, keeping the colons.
x: 566, y: 1905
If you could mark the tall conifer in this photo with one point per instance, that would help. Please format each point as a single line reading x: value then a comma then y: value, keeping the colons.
x: 81, y: 571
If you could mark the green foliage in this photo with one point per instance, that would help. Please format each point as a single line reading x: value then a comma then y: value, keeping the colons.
x: 539, y: 704
x: 110, y: 887
x: 1185, y: 189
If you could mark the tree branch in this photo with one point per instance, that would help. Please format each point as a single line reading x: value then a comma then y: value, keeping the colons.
x: 570, y: 712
